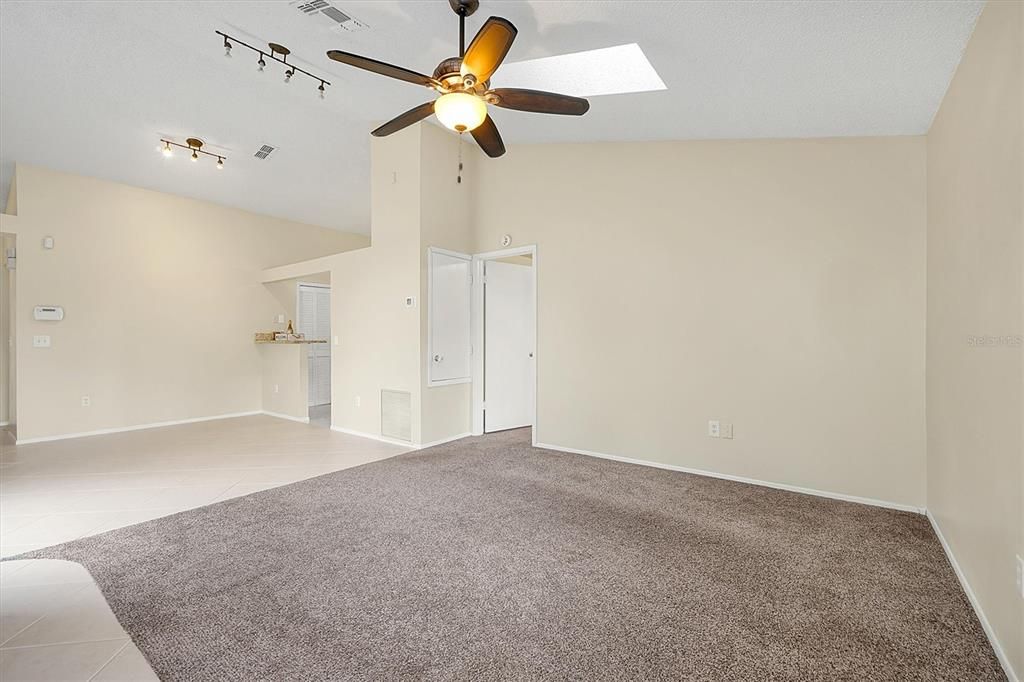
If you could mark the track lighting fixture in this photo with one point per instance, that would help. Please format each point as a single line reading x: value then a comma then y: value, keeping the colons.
x: 279, y: 53
x: 194, y: 145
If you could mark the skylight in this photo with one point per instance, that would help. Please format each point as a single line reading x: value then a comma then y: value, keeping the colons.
x: 606, y: 71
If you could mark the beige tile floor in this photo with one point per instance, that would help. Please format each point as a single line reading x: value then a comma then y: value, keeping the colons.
x: 54, y: 623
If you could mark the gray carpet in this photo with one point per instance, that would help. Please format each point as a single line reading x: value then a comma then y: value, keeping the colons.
x: 488, y: 559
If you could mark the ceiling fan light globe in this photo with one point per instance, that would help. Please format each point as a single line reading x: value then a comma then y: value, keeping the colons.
x: 460, y: 111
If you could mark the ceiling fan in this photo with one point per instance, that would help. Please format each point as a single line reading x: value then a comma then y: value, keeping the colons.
x: 464, y: 83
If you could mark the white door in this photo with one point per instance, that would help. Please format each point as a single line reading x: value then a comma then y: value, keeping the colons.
x: 314, y: 320
x: 508, y: 346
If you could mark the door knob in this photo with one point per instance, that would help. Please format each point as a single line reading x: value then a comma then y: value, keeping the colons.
x: 438, y: 358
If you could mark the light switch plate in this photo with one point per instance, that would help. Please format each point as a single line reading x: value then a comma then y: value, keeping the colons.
x: 714, y: 428
x: 726, y: 430
x: 42, y: 341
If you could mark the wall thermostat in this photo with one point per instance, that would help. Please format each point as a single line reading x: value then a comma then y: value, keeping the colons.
x: 53, y: 313
x: 506, y: 240
x: 47, y: 242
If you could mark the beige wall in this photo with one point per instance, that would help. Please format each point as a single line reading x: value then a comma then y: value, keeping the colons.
x: 446, y: 221
x: 975, y: 290
x: 777, y: 285
x: 161, y: 296
x: 379, y: 337
x: 285, y: 372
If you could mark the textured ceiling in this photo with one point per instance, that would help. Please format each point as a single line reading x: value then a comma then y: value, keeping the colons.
x: 89, y: 87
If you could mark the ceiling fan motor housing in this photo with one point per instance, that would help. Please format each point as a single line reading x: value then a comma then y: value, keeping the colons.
x: 448, y: 72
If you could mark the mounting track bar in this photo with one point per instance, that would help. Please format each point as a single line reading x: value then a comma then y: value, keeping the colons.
x: 272, y: 55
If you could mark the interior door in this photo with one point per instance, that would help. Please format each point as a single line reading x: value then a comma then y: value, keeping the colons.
x: 508, y: 345
x: 314, y: 320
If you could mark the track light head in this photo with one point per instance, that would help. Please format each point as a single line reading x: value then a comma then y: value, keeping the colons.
x: 288, y: 75
x: 167, y: 150
x: 195, y: 155
x: 322, y: 90
x: 227, y: 48
x: 220, y: 163
x: 261, y: 63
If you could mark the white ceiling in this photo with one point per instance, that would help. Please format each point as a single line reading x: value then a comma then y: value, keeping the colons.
x: 89, y: 87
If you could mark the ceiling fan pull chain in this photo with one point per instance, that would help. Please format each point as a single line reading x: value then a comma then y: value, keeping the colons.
x: 459, y: 179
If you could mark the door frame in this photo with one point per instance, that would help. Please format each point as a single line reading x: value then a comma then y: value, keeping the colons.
x: 477, y: 330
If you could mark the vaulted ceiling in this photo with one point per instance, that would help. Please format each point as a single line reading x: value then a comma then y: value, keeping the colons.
x: 90, y: 87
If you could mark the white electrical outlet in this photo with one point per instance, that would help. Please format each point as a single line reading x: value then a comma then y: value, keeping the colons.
x: 86, y: 401
x: 41, y: 341
x: 714, y: 428
x: 726, y: 430
x: 359, y: 401
x: 1020, y: 577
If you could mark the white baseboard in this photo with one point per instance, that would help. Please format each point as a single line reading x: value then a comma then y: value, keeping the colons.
x: 444, y: 440
x: 301, y: 420
x: 138, y: 427
x: 741, y: 479
x: 373, y: 436
x: 395, y: 441
x: 985, y: 625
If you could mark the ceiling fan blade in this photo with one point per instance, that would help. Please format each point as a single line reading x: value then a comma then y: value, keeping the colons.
x: 489, y: 47
x: 382, y: 68
x: 486, y: 135
x: 539, y: 102
x: 405, y: 120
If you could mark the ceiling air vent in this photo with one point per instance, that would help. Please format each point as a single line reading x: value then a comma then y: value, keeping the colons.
x: 328, y: 15
x: 264, y: 151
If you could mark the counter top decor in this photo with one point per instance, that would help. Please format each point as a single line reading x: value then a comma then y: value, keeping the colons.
x: 275, y: 337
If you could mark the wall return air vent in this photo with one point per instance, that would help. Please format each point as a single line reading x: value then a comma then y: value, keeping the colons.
x: 264, y: 151
x: 329, y: 16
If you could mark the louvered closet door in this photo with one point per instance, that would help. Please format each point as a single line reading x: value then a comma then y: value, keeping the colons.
x: 314, y: 321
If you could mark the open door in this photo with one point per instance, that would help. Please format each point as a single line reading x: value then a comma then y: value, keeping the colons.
x: 508, y: 344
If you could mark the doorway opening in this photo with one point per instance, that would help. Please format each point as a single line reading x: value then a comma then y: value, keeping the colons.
x: 505, y: 331
x: 313, y: 320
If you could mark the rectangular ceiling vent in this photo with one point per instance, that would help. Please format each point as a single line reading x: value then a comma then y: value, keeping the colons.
x: 264, y: 151
x: 328, y: 15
